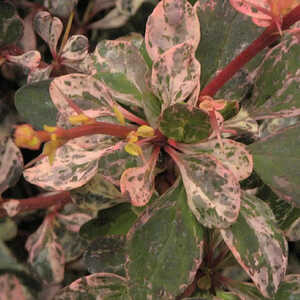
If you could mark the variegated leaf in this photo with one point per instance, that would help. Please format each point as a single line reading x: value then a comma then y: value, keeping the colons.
x: 165, y: 248
x: 97, y: 194
x: 175, y: 74
x: 39, y: 74
x: 138, y: 182
x: 60, y: 8
x: 129, y: 7
x: 258, y: 245
x: 242, y: 123
x: 11, y: 164
x: 13, y: 288
x: 75, y: 49
x: 87, y: 93
x: 112, y: 165
x: 73, y: 166
x: 113, y: 19
x: 11, y: 29
x: 171, y: 23
x: 100, y: 286
x: 66, y: 225
x: 213, y: 192
x: 233, y: 155
x: 45, y: 253
x: 120, y: 65
x: 48, y: 28
x: 276, y: 86
x: 29, y: 60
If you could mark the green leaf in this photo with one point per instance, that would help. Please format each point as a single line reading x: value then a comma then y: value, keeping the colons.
x: 185, y: 125
x: 276, y: 160
x: 164, y: 249
x: 289, y: 288
x: 34, y: 104
x: 121, y: 66
x: 152, y: 108
x: 11, y: 26
x: 95, y: 286
x: 213, y: 192
x: 114, y: 220
x: 276, y: 86
x: 106, y: 255
x: 171, y: 23
x: 11, y: 164
x: 226, y: 296
x: 175, y: 75
x: 224, y: 34
x: 8, y: 229
x: 258, y: 245
x: 96, y: 195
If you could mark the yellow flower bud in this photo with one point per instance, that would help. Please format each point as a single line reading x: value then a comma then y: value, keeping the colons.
x: 119, y: 115
x: 25, y: 136
x: 133, y: 149
x: 145, y: 131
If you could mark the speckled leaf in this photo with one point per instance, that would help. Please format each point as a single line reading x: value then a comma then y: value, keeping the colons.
x: 75, y: 49
x: 213, y: 192
x: 11, y: 26
x: 175, y: 74
x: 96, y: 286
x: 29, y: 60
x: 234, y: 155
x: 45, y: 253
x: 36, y: 95
x: 73, y: 166
x: 11, y: 164
x: 48, y: 28
x: 171, y: 23
x: 258, y: 245
x: 224, y: 34
x: 128, y: 7
x: 60, y: 8
x: 165, y: 249
x: 114, y: 220
x: 276, y: 160
x: 184, y: 124
x: 66, y: 225
x: 112, y: 165
x: 152, y: 109
x: 39, y: 74
x: 106, y: 255
x: 138, y: 183
x: 120, y: 65
x: 276, y: 89
x: 97, y: 194
x: 242, y: 123
x: 86, y: 92
x: 13, y: 288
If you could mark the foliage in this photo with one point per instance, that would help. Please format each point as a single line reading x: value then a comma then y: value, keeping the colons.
x: 152, y: 188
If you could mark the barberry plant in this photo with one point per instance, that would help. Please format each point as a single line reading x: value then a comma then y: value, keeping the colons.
x: 149, y: 150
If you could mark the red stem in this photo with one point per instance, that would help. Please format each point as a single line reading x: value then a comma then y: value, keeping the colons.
x: 269, y: 36
x: 38, y: 202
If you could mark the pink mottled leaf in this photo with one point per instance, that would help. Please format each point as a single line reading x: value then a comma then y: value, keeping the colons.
x: 234, y: 155
x: 11, y: 164
x: 258, y: 245
x: 213, y: 192
x: 171, y: 23
x: 89, y: 94
x: 175, y: 74
x: 13, y: 288
x: 121, y: 66
x: 29, y: 60
x: 60, y: 8
x: 48, y: 28
x: 45, y: 253
x: 39, y: 74
x: 75, y: 49
x: 139, y: 182
x: 73, y: 165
